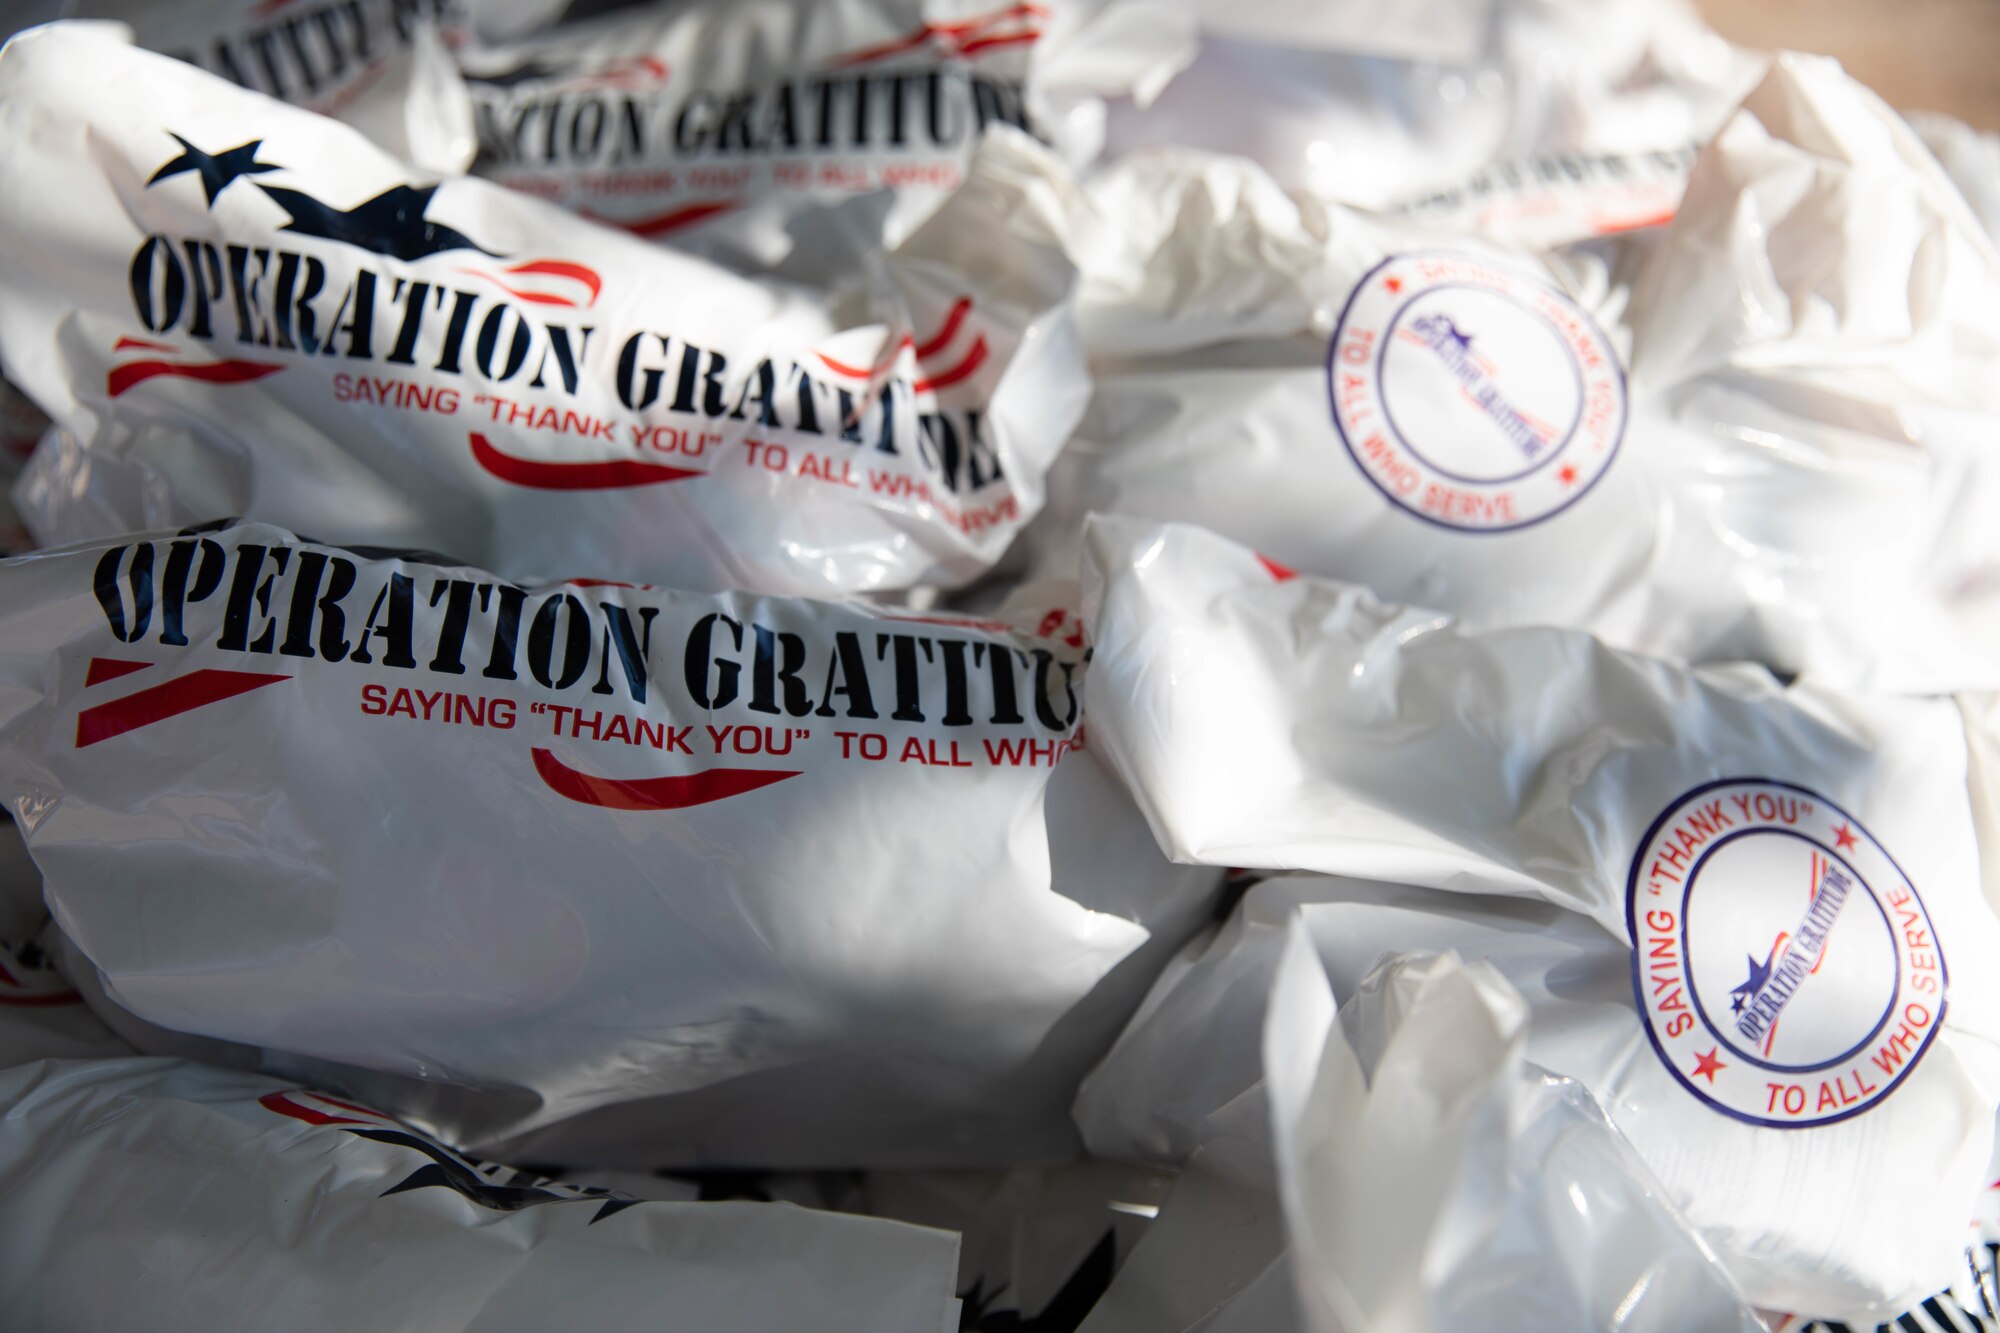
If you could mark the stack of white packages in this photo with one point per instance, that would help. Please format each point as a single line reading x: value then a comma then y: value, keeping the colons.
x: 926, y: 665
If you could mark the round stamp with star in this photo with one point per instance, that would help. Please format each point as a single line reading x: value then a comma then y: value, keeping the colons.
x: 1786, y: 969
x: 1473, y: 395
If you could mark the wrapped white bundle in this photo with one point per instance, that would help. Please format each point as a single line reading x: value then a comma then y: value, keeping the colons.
x: 234, y: 307
x: 583, y: 874
x: 1763, y: 433
x: 160, y: 1194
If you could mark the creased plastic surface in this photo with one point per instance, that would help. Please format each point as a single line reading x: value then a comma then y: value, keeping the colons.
x: 1760, y: 433
x: 451, y: 365
x: 382, y: 66
x: 1433, y: 1179
x: 802, y: 134
x: 1484, y: 110
x: 1856, y: 1219
x: 132, y: 1190
x: 649, y: 878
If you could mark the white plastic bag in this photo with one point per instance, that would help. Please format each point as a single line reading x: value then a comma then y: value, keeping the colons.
x: 1971, y: 159
x: 1729, y: 839
x: 166, y: 1195
x: 1432, y: 1179
x: 1533, y: 120
x: 1854, y: 1218
x: 379, y: 65
x: 269, y: 316
x: 1399, y: 1168
x: 757, y: 130
x: 1762, y: 433
x: 606, y: 875
x: 42, y: 1017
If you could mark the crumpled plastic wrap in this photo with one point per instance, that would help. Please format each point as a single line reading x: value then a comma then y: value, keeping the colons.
x: 136, y: 1190
x: 1761, y: 432
x: 454, y: 366
x: 652, y: 878
x: 801, y: 135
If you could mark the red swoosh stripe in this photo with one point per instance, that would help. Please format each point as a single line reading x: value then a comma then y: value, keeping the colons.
x: 1282, y: 573
x: 948, y: 330
x: 953, y: 320
x: 1010, y: 39
x: 963, y: 370
x: 136, y: 373
x: 669, y: 221
x: 560, y: 268
x: 110, y: 668
x: 670, y: 793
x: 607, y: 475
x: 184, y: 694
x: 32, y: 999
x: 283, y: 1104
x: 951, y: 32
x: 125, y: 344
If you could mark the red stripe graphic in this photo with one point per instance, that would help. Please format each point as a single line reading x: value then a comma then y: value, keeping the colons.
x: 124, y: 343
x: 948, y: 330
x: 195, y: 690
x: 962, y: 370
x: 1009, y: 39
x: 603, y: 476
x: 135, y: 373
x: 31, y: 999
x: 282, y: 1103
x: 102, y: 669
x: 1281, y: 573
x: 671, y: 220
x: 670, y: 793
x: 952, y: 33
x: 544, y: 268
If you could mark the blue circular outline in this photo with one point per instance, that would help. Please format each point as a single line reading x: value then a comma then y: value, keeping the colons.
x: 1685, y: 1079
x: 1694, y: 992
x: 1333, y: 402
x: 1382, y: 392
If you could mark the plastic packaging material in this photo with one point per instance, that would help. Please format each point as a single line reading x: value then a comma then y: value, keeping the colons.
x: 1972, y: 160
x: 1969, y: 1302
x: 1407, y: 1170
x: 1855, y: 1217
x: 1535, y: 120
x: 1788, y: 880
x: 381, y: 66
x: 1432, y: 1179
x: 649, y: 878
x: 22, y: 426
x: 235, y: 1202
x: 1795, y: 469
x: 1039, y: 1245
x: 267, y: 316
x: 801, y: 133
x: 42, y: 1017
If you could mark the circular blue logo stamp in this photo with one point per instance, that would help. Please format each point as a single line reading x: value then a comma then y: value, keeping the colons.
x: 1786, y: 969
x: 1472, y: 395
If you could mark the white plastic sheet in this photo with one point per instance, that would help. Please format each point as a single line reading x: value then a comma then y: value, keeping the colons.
x: 649, y: 878
x: 1782, y: 886
x: 1855, y: 1219
x: 1762, y: 433
x: 1459, y: 104
x: 133, y: 1191
x: 801, y: 133
x: 381, y: 66
x: 268, y: 316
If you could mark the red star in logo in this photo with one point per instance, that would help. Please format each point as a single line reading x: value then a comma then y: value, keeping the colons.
x: 1393, y: 284
x: 1843, y: 838
x: 1707, y: 1065
x: 1566, y: 474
